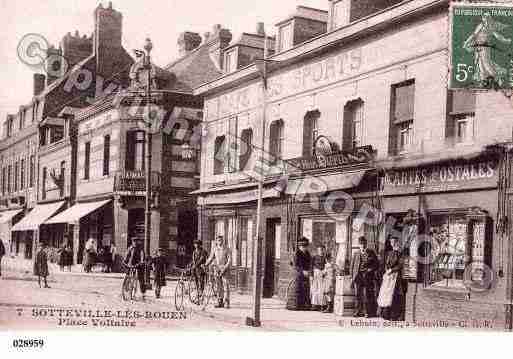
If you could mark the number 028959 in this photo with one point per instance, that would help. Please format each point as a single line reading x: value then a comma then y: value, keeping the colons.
x: 28, y: 343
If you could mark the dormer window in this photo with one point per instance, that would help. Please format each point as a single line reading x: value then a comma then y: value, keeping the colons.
x: 286, y: 34
x: 340, y: 13
x: 230, y: 60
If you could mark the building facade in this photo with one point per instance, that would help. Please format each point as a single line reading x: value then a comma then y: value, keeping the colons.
x: 363, y: 137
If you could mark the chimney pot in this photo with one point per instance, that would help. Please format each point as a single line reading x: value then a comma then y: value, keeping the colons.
x: 77, y: 34
x: 39, y: 83
x: 110, y: 5
x: 260, y: 28
x: 188, y: 41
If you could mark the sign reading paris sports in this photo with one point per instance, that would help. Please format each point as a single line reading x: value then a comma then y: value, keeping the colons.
x: 481, y: 46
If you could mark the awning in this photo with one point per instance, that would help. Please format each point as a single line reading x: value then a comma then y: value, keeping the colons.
x: 37, y: 216
x: 8, y: 215
x: 239, y: 197
x: 74, y: 213
x: 321, y: 184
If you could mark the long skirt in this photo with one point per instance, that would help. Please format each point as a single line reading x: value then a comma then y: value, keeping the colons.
x: 393, y: 307
x: 318, y: 288
x: 298, y: 297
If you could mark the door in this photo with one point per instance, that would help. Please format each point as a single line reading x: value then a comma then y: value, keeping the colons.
x: 270, y: 268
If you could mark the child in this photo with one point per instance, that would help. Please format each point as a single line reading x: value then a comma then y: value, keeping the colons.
x: 159, y: 271
x: 329, y: 285
x: 41, y: 265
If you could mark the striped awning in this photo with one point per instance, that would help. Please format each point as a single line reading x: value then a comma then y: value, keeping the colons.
x: 6, y: 216
x: 74, y: 213
x: 37, y: 216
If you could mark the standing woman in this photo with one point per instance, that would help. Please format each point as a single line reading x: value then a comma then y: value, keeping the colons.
x: 90, y: 251
x: 41, y: 265
x: 396, y: 292
x: 298, y: 297
x: 318, y: 264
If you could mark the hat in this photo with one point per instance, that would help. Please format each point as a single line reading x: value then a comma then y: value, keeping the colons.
x: 198, y: 242
x: 303, y: 241
x: 362, y: 240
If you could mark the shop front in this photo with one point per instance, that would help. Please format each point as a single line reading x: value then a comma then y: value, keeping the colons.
x: 8, y: 217
x: 448, y: 215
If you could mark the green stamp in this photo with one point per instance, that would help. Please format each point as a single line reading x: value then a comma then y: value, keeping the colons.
x: 481, y: 47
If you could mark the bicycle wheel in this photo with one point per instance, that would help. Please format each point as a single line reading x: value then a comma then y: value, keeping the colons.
x: 133, y: 287
x: 125, y: 288
x: 290, y: 287
x: 208, y: 293
x: 194, y: 294
x: 179, y: 295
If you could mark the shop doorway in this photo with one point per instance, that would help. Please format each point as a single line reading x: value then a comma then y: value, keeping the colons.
x: 272, y: 254
x: 135, y: 224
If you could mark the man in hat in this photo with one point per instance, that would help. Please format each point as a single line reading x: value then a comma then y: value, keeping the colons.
x: 159, y: 271
x: 41, y: 265
x: 135, y: 258
x: 363, y: 271
x: 299, y: 296
x: 199, y: 258
x: 221, y: 257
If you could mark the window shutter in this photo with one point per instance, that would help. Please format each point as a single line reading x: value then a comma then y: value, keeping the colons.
x: 462, y: 102
x: 219, y: 155
x: 449, y: 123
x: 404, y: 103
x: 347, y: 128
x: 247, y: 148
x: 130, y: 151
x: 308, y: 127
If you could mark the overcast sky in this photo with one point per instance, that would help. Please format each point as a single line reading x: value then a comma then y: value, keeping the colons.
x: 161, y: 20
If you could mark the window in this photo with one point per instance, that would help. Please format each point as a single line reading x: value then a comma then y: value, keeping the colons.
x: 87, y: 159
x: 134, y: 160
x: 31, y: 171
x: 106, y: 155
x: 352, y: 125
x: 4, y: 179
x: 16, y: 176
x: 9, y: 179
x: 276, y: 140
x: 43, y: 183
x: 286, y: 37
x: 246, y: 242
x: 341, y: 12
x: 401, y: 124
x: 219, y: 155
x: 10, y: 127
x: 22, y: 175
x: 62, y: 178
x: 246, y: 148
x: 457, y: 241
x: 22, y: 119
x: 233, y: 151
x: 230, y: 64
x: 34, y: 111
x: 460, y: 120
x: 310, y: 132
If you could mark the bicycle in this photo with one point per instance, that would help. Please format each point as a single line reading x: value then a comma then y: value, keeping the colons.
x: 210, y: 291
x: 130, y: 284
x: 186, y: 287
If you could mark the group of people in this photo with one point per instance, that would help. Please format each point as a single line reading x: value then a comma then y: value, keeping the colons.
x: 379, y: 286
x: 105, y: 255
x: 65, y: 257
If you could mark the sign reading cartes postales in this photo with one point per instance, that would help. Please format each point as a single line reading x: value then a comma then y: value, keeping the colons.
x: 481, y: 46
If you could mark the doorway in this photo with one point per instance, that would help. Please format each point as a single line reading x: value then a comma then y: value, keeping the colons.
x: 272, y: 257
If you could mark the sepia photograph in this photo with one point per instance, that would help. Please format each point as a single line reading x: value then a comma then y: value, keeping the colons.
x: 260, y: 167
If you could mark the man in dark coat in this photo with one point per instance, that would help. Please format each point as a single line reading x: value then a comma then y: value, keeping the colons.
x: 298, y: 298
x: 199, y: 257
x: 135, y: 258
x: 41, y: 265
x: 363, y: 273
x: 2, y: 253
x: 159, y: 270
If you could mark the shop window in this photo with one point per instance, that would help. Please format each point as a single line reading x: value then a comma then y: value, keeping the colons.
x: 353, y: 125
x: 246, y: 242
x: 246, y: 148
x: 106, y: 155
x: 341, y: 12
x: 460, y: 248
x: 401, y: 124
x: 310, y: 131
x: 87, y: 159
x: 22, y: 174
x: 286, y: 36
x: 276, y: 140
x: 219, y: 155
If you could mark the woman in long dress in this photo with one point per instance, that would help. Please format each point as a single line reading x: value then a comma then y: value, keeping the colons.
x: 318, y: 264
x: 298, y: 297
x: 393, y: 288
x: 41, y: 265
x: 90, y: 254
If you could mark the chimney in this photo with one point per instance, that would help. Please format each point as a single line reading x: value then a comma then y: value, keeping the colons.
x: 218, y: 40
x: 187, y: 42
x: 39, y: 83
x: 76, y: 48
x: 260, y: 29
x: 107, y: 38
x: 54, y: 66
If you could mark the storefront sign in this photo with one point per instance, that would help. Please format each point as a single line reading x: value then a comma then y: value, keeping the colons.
x: 481, y: 174
x: 334, y: 159
x: 481, y: 46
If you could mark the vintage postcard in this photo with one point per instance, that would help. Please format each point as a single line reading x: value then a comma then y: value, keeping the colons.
x: 326, y: 165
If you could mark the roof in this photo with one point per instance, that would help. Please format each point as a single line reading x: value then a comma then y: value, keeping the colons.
x: 253, y: 40
x: 307, y: 13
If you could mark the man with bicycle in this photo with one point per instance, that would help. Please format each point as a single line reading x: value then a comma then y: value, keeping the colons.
x: 221, y: 257
x: 135, y: 258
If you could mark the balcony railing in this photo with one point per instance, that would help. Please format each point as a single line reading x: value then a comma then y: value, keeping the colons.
x: 135, y: 181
